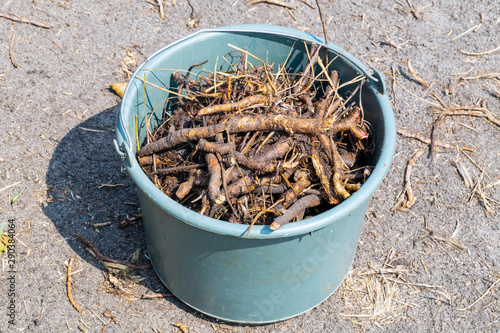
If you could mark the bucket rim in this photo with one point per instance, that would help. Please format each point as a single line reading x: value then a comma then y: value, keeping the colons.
x: 333, y: 215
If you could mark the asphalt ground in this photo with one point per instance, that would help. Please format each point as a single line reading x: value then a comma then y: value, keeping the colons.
x: 431, y: 268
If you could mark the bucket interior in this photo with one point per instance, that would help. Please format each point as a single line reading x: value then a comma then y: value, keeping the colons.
x: 152, y: 94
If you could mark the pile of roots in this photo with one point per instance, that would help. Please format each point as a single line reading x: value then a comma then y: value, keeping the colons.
x: 255, y: 146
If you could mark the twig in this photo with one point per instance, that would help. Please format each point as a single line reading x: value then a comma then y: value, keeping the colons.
x: 101, y: 257
x: 25, y: 20
x: 477, y: 300
x: 193, y: 18
x: 450, y: 240
x: 416, y: 76
x: 272, y: 2
x: 478, y: 54
x: 110, y: 185
x: 474, y: 111
x: 68, y: 282
x: 404, y: 206
x: 423, y: 139
x: 414, y: 11
x: 224, y: 184
x: 157, y: 295
x: 322, y: 22
x: 14, y: 63
x: 183, y: 328
x: 434, y: 130
x: 129, y: 221
x: 307, y: 3
x: 103, y: 224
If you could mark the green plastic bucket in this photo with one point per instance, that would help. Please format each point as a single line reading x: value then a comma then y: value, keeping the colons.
x: 212, y: 265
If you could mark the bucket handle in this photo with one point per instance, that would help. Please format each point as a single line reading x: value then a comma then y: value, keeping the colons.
x: 122, y: 144
x: 379, y: 81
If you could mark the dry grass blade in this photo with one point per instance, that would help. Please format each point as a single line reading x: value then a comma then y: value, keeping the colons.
x: 474, y: 162
x: 161, y: 9
x: 25, y: 20
x: 128, y: 62
x: 409, y: 92
x: 464, y: 173
x: 474, y: 28
x: 372, y: 295
x: 320, y: 12
x: 478, y: 54
x: 478, y: 192
x: 480, y: 298
x: 448, y: 240
x: 494, y: 75
x: 11, y: 185
x: 230, y: 104
x: 164, y: 89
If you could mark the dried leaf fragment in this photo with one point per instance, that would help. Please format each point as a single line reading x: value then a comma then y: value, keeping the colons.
x: 118, y: 88
x: 183, y: 328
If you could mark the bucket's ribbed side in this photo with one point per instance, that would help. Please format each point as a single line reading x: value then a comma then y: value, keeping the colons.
x: 249, y: 280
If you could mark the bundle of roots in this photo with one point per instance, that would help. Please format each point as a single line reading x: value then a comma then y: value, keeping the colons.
x: 255, y: 146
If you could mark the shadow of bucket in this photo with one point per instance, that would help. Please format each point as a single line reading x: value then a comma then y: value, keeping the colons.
x: 213, y: 265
